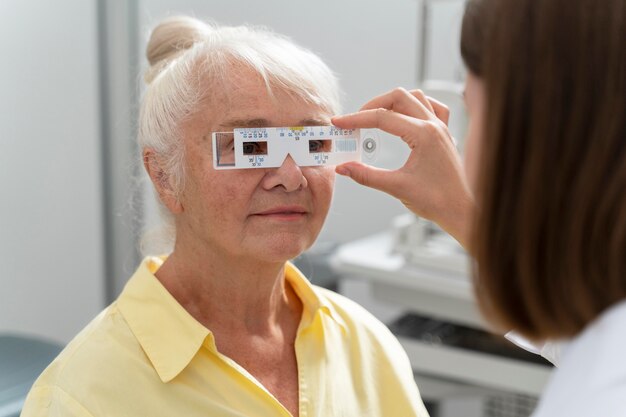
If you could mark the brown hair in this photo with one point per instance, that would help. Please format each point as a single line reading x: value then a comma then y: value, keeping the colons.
x: 550, y: 235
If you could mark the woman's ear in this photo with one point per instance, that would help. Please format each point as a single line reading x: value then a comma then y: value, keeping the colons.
x: 161, y: 181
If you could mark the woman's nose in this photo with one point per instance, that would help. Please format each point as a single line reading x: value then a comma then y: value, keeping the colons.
x: 288, y: 176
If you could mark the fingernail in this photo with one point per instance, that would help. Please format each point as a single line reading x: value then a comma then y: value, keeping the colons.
x: 342, y: 171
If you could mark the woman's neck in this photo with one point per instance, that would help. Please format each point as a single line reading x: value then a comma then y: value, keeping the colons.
x: 228, y: 292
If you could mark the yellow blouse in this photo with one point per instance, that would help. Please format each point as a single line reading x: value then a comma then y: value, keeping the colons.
x: 145, y: 355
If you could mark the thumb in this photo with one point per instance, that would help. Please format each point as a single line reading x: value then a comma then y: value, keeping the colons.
x: 380, y: 179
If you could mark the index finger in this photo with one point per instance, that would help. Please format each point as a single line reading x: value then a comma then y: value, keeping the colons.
x: 401, y: 101
x: 390, y: 121
x: 440, y: 109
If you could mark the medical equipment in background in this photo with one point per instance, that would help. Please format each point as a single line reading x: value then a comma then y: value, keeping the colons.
x: 459, y: 364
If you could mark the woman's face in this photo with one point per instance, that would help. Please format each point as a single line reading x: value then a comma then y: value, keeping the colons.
x: 268, y: 215
x: 475, y: 103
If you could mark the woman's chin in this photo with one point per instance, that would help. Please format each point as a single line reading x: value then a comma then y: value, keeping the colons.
x: 284, y: 248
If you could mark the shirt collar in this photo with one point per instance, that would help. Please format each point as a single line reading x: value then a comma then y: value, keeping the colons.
x: 311, y: 300
x: 169, y: 335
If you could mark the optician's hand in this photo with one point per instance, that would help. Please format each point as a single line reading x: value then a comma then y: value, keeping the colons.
x: 432, y: 182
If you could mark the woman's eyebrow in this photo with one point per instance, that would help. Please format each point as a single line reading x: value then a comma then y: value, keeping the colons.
x: 244, y: 123
x: 314, y: 122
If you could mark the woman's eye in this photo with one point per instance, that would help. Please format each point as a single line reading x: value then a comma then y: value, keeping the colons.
x: 316, y: 146
x: 248, y: 148
x: 255, y: 148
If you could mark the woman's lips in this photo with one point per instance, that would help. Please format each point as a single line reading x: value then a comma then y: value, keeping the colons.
x: 286, y: 213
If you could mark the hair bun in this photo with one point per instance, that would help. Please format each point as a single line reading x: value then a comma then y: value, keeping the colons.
x: 170, y: 39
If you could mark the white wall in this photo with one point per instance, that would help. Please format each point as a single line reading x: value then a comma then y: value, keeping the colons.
x: 443, y: 33
x: 51, y: 263
x: 370, y: 44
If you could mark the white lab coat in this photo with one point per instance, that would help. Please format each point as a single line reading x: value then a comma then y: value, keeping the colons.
x: 590, y: 380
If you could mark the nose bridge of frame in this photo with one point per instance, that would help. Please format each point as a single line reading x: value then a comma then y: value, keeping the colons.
x: 288, y: 162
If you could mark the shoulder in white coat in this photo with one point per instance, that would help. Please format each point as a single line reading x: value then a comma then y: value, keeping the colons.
x: 591, y: 378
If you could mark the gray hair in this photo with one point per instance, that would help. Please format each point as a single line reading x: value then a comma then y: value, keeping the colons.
x: 184, y: 52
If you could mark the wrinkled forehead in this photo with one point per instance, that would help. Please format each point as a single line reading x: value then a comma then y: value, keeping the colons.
x: 243, y: 94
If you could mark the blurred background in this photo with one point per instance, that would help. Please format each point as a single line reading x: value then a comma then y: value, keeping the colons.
x: 73, y: 204
x: 75, y: 200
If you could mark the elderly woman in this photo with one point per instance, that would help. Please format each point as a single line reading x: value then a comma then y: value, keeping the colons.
x: 224, y: 325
